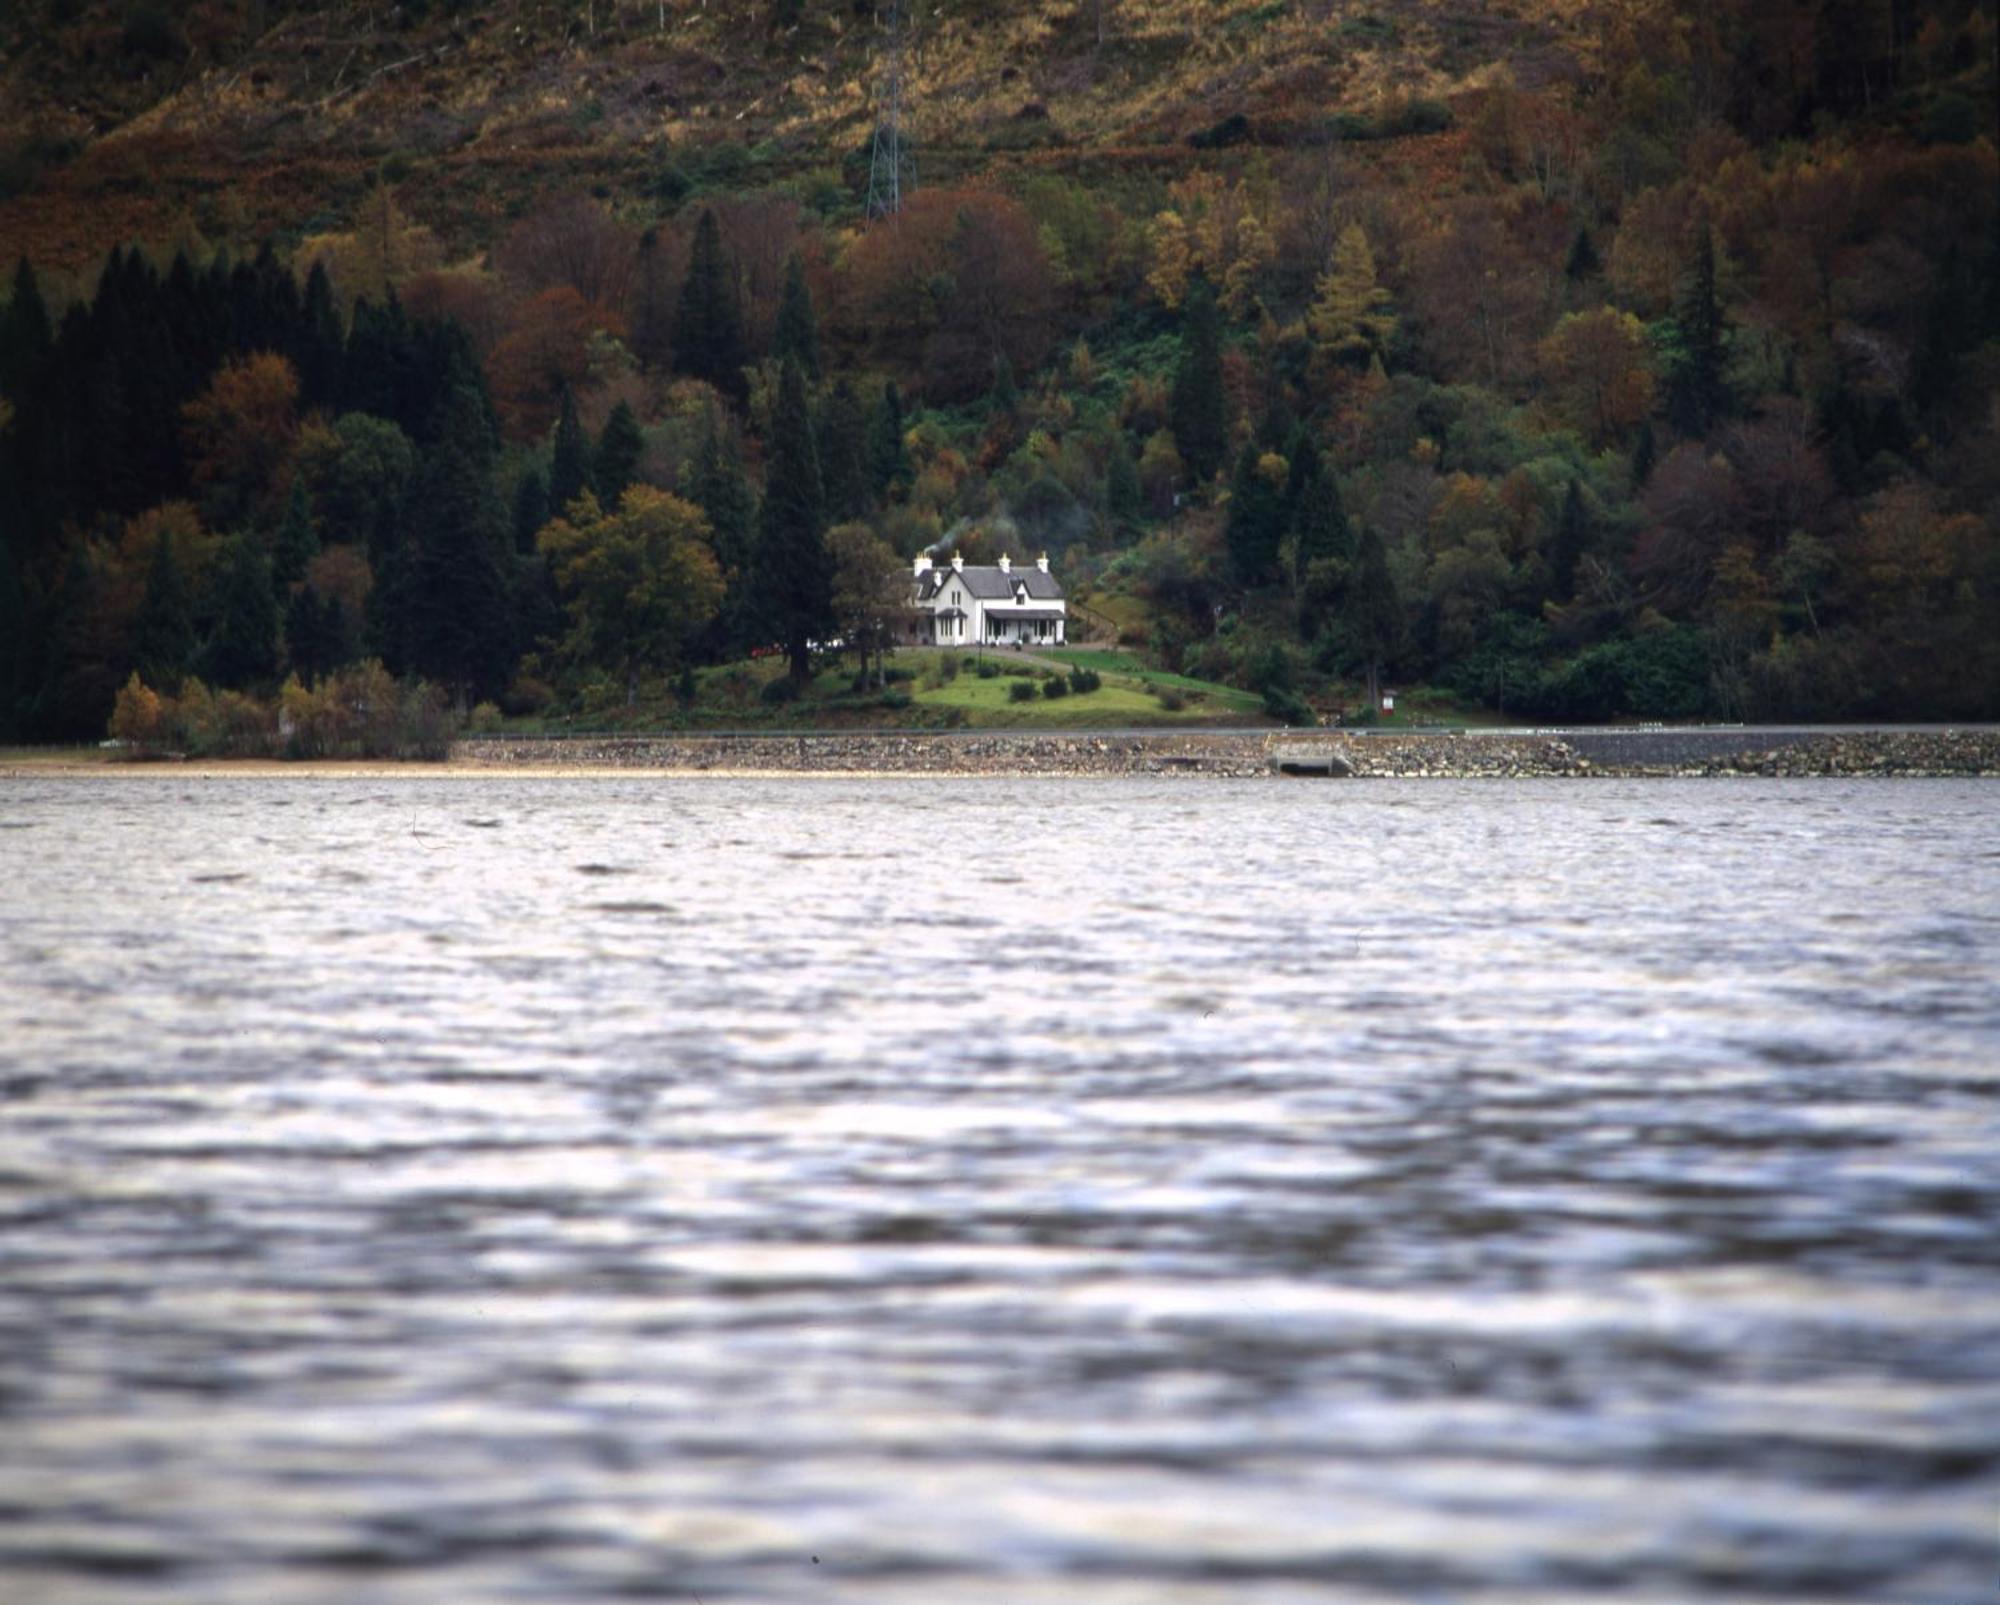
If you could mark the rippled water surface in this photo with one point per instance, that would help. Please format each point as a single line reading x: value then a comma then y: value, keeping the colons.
x: 953, y: 1192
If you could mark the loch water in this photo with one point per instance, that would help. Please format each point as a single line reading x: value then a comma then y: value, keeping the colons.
x: 433, y: 1191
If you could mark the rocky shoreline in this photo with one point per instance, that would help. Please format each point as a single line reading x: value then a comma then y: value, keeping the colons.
x: 1248, y: 754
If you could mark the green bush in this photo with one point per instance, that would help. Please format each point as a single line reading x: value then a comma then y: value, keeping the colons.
x: 988, y: 671
x: 1083, y: 681
x: 1021, y: 691
x: 1170, y: 699
x: 782, y: 689
x: 1055, y: 686
x: 1289, y: 708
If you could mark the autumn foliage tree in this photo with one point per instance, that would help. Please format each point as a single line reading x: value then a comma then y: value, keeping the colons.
x: 638, y: 582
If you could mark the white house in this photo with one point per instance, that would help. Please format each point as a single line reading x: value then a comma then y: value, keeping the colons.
x: 999, y: 606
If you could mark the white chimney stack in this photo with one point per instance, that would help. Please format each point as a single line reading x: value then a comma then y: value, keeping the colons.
x: 1042, y: 562
x: 923, y: 565
x: 958, y: 562
x: 1006, y: 564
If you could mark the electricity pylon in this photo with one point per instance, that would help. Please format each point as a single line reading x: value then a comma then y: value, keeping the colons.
x: 887, y: 162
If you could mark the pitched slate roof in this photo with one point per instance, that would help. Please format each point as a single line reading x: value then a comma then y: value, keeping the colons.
x: 993, y: 584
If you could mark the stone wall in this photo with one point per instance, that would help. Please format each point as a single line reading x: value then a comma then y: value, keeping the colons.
x: 1247, y: 754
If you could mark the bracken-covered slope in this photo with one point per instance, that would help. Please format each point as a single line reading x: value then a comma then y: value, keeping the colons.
x: 122, y: 122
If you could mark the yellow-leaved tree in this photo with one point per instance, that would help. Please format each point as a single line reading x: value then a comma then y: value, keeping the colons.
x: 1350, y: 318
x: 1216, y: 229
x: 636, y: 582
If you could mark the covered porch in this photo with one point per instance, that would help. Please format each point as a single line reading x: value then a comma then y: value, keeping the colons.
x: 1025, y: 626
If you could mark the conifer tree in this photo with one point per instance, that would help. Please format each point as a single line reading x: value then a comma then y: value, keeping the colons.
x: 1256, y: 520
x: 1320, y: 529
x: 570, y: 469
x: 888, y: 456
x: 843, y: 454
x: 1569, y: 543
x: 163, y: 636
x: 1350, y: 317
x: 1697, y: 390
x: 1197, y: 407
x: 13, y: 635
x: 296, y: 542
x: 1374, y: 614
x: 619, y: 450
x: 794, y: 577
x: 531, y: 509
x: 797, y: 332
x: 1123, y: 494
x: 25, y: 336
x: 460, y: 605
x: 716, y: 485
x: 1584, y: 261
x: 243, y: 649
x: 708, y: 322
x: 318, y: 351
x: 1644, y: 450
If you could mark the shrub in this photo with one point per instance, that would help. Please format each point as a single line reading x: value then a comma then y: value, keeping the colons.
x: 949, y: 669
x: 1275, y: 668
x: 782, y: 689
x: 1083, y: 681
x: 895, y: 698
x: 1170, y: 699
x: 1021, y: 691
x: 139, y: 718
x: 1055, y: 686
x: 989, y: 671
x: 1950, y: 120
x: 150, y: 31
x: 1289, y: 708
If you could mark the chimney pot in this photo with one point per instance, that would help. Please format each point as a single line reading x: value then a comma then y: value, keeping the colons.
x: 958, y: 562
x: 1006, y: 564
x: 1042, y: 562
x: 922, y: 566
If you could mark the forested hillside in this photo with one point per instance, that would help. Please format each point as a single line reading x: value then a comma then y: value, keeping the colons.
x: 1583, y: 360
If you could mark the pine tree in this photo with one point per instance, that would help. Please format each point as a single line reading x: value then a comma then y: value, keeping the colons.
x: 307, y: 652
x: 25, y: 336
x: 1197, y: 407
x: 619, y: 450
x: 1570, y: 542
x: 13, y: 635
x: 1584, y: 261
x: 1256, y: 520
x: 531, y: 509
x: 461, y: 609
x: 1123, y: 494
x: 163, y: 635
x: 708, y: 322
x: 1950, y: 312
x: 318, y: 351
x: 296, y: 543
x: 843, y: 454
x: 1644, y: 451
x: 570, y: 469
x: 651, y: 303
x: 1698, y: 389
x: 716, y: 485
x: 795, y: 580
x: 1320, y: 529
x: 1374, y: 613
x: 243, y: 649
x: 797, y: 332
x: 888, y: 456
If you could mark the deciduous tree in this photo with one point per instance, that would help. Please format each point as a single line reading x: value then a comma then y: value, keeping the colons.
x: 638, y: 583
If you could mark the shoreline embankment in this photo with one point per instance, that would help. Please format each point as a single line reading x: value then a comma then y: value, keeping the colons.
x: 1666, y: 752
x: 1247, y: 754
